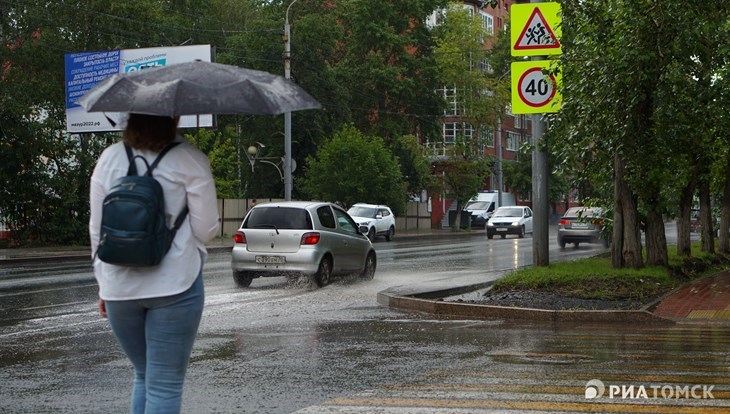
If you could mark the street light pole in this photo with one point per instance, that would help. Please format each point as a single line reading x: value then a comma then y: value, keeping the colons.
x: 287, y: 115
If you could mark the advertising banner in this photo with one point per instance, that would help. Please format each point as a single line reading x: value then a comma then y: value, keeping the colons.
x: 86, y: 69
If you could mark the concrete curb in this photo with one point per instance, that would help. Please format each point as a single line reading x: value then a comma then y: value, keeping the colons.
x: 390, y: 298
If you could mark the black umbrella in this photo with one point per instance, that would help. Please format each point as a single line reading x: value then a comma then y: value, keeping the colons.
x: 197, y: 87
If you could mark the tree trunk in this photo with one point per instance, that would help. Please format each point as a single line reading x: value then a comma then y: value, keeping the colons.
x: 630, y: 245
x: 707, y: 232
x: 617, y: 237
x: 632, y: 231
x: 725, y: 215
x: 656, y: 240
x: 684, y: 243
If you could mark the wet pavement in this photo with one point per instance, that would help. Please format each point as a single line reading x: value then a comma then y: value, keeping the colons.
x: 704, y: 300
x: 283, y: 349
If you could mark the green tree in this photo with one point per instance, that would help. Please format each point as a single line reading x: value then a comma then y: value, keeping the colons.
x: 386, y: 59
x: 415, y: 167
x: 464, y: 172
x: 518, y: 174
x: 465, y: 65
x: 225, y: 159
x: 637, y: 87
x: 351, y: 168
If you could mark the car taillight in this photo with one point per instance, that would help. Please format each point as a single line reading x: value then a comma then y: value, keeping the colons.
x: 564, y: 222
x: 310, y: 238
x: 239, y: 237
x: 597, y: 222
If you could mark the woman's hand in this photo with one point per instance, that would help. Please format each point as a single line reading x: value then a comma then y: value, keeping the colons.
x: 102, y: 308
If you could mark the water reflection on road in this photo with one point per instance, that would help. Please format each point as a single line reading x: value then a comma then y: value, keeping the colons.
x: 284, y: 345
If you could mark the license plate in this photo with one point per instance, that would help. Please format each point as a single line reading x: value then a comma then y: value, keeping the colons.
x: 501, y: 228
x: 271, y: 259
x: 579, y: 225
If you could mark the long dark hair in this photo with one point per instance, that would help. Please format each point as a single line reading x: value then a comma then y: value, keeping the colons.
x: 150, y: 131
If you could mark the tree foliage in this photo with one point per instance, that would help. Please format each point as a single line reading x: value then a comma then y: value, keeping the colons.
x: 351, y: 168
x: 639, y: 87
x: 464, y: 172
x: 465, y: 65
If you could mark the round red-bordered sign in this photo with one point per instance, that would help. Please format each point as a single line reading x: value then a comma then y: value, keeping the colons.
x: 534, y: 89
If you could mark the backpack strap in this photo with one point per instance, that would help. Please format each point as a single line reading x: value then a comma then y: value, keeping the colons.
x: 132, y: 170
x: 159, y: 157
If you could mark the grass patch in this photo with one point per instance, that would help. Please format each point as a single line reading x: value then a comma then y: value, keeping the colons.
x: 593, y: 278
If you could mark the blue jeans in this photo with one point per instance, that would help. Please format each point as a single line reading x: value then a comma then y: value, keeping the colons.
x: 157, y: 335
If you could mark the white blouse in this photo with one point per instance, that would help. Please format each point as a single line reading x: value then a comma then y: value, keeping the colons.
x: 185, y: 176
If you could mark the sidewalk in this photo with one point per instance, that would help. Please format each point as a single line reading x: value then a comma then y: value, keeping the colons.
x: 706, y: 300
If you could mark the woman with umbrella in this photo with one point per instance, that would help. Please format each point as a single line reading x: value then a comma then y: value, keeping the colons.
x: 155, y: 311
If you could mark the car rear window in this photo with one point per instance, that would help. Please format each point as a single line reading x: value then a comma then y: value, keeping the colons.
x: 278, y: 217
x: 363, y: 211
x: 581, y: 212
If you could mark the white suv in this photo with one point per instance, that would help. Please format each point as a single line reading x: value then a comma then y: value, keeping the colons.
x: 379, y: 219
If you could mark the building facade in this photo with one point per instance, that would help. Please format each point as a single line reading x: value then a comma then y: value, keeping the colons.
x: 501, y: 140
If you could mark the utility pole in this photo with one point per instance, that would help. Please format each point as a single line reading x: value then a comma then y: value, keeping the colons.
x: 287, y: 115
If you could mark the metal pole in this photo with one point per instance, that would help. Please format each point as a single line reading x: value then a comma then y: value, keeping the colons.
x: 540, y: 251
x: 540, y: 207
x: 499, y: 161
x: 287, y: 115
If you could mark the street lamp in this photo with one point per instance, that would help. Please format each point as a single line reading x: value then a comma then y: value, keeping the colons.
x: 253, y: 156
x: 287, y: 115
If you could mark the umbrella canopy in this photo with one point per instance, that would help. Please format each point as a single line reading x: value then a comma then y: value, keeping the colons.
x: 197, y: 87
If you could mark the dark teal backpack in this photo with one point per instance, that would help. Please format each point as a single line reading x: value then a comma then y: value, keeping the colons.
x: 133, y: 228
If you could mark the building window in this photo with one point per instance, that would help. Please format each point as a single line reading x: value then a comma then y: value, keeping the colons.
x: 513, y: 141
x: 457, y: 129
x: 449, y: 132
x: 452, y: 102
x: 484, y: 66
x: 486, y: 137
x: 518, y: 121
x: 488, y: 23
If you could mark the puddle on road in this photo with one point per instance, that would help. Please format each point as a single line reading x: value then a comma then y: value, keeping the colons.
x: 529, y: 358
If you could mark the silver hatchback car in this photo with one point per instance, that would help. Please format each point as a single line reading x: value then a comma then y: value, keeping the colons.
x: 297, y: 237
x: 581, y: 225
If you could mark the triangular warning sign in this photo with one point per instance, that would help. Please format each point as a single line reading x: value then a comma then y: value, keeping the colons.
x: 537, y: 34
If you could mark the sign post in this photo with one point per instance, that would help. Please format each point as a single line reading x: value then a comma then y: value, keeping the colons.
x: 535, y: 32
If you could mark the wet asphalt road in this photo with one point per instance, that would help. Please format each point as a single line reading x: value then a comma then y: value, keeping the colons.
x: 284, y: 346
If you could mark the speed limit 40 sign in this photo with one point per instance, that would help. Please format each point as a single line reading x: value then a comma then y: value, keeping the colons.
x: 534, y: 90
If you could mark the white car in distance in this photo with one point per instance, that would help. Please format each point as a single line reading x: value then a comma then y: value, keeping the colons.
x: 510, y: 220
x: 379, y: 219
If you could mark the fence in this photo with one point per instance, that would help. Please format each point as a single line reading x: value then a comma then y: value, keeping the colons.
x: 232, y: 212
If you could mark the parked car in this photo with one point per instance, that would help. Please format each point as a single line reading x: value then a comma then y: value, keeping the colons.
x: 312, y: 238
x: 581, y: 225
x: 510, y: 220
x: 482, y: 206
x: 379, y: 220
